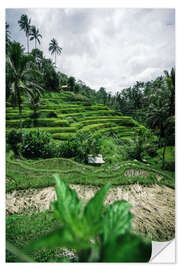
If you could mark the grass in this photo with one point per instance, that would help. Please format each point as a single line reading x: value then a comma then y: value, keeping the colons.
x: 40, y: 122
x: 63, y: 115
x: 98, y: 119
x: 169, y: 159
x: 22, y: 230
x: 21, y: 174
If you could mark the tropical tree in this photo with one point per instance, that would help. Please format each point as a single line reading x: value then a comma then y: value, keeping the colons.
x: 170, y: 89
x: 38, y: 56
x: 34, y: 34
x: 23, y: 76
x: 71, y: 83
x: 25, y: 24
x: 54, y: 48
x: 159, y: 117
x: 8, y: 37
x: 102, y: 94
x: 50, y: 76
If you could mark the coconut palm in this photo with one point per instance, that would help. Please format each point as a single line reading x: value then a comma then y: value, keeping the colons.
x: 34, y: 34
x: 54, y: 48
x: 24, y: 24
x: 8, y: 37
x: 22, y: 76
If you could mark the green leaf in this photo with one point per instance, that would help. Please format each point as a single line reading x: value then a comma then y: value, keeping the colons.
x: 68, y: 210
x: 67, y: 201
x: 93, y: 209
x: 117, y: 220
x: 62, y: 237
x: 127, y: 248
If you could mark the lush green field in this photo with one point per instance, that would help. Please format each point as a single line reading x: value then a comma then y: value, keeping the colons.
x: 71, y: 118
x: 22, y: 230
x: 64, y: 119
x: 61, y: 116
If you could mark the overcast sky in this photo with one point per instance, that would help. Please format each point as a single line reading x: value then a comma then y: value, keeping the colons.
x: 111, y: 48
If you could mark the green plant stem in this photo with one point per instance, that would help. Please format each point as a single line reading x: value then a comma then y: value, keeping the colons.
x: 18, y: 253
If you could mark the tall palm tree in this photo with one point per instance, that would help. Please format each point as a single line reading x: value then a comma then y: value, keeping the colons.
x: 25, y: 24
x: 54, y: 48
x: 22, y: 76
x: 34, y: 34
x: 8, y: 37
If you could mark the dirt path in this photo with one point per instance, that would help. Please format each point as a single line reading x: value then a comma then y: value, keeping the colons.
x: 153, y: 207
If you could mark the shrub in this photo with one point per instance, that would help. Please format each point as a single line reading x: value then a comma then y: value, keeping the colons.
x: 61, y: 136
x: 169, y: 157
x: 52, y: 115
x: 151, y: 150
x: 80, y: 146
x: 14, y: 138
x: 53, y: 130
x: 37, y: 144
x: 15, y: 123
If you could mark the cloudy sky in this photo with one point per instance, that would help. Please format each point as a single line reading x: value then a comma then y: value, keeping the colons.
x: 111, y: 48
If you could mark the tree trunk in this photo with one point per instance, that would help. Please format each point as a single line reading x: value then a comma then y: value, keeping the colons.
x: 163, y: 157
x: 20, y: 113
x: 28, y: 44
x: 20, y: 117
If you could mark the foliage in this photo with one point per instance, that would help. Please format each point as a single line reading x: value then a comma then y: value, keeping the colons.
x: 54, y: 48
x: 8, y: 37
x: 71, y: 83
x: 142, y: 143
x: 50, y: 77
x: 38, y: 144
x: 14, y: 138
x: 169, y: 157
x: 24, y: 229
x: 95, y: 232
x: 80, y: 146
x: 25, y: 24
x: 23, y: 76
x: 34, y: 34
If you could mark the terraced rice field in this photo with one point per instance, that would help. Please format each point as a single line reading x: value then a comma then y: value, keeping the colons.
x: 66, y: 119
x: 30, y: 184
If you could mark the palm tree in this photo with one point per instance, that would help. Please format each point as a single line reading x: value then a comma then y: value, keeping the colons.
x: 8, y: 37
x: 24, y: 24
x: 22, y: 76
x: 34, y: 34
x: 170, y: 89
x: 158, y: 117
x: 54, y: 48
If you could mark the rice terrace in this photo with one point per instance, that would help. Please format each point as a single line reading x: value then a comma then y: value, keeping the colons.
x: 90, y: 175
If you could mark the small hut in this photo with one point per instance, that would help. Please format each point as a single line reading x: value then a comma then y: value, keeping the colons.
x: 65, y: 87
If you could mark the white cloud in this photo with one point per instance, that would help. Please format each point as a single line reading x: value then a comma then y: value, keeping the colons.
x: 112, y: 48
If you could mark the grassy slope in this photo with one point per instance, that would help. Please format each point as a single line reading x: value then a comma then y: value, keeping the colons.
x: 62, y: 116
x: 72, y: 117
x: 70, y: 114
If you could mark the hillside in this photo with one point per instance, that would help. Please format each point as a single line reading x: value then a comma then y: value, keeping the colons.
x: 65, y: 114
x: 68, y: 113
x: 90, y: 160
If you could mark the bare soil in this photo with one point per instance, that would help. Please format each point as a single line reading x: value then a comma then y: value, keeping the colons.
x: 153, y: 207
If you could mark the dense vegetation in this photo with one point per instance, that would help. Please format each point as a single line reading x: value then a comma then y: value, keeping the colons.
x: 53, y: 123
